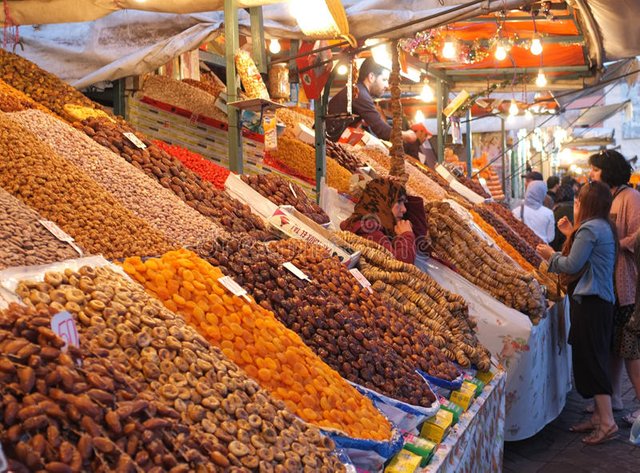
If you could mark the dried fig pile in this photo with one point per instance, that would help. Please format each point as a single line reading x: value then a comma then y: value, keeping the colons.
x: 23, y: 240
x: 34, y: 173
x: 172, y: 174
x: 242, y: 426
x: 42, y: 86
x: 143, y: 196
x: 333, y: 315
x: 483, y: 265
x: 60, y: 417
x: 256, y: 341
x: 282, y: 192
x: 444, y: 316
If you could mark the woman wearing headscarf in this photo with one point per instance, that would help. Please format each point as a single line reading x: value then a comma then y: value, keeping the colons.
x: 534, y: 214
x: 379, y: 216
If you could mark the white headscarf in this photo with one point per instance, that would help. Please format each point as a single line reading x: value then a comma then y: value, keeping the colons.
x: 536, y: 192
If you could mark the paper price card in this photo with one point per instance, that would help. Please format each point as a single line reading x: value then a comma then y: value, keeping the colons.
x: 364, y: 282
x: 233, y: 287
x: 4, y: 464
x: 295, y: 270
x: 60, y: 234
x: 65, y: 327
x: 135, y: 140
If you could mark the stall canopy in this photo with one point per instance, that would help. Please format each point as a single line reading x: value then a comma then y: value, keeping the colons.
x: 592, y: 117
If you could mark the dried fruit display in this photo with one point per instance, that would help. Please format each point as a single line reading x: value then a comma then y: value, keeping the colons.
x: 23, y: 240
x: 343, y: 156
x: 209, y: 87
x: 487, y: 267
x: 520, y: 228
x: 40, y: 85
x: 301, y: 158
x: 444, y: 316
x: 12, y: 100
x: 518, y: 243
x: 256, y: 341
x: 57, y: 190
x: 241, y: 426
x: 182, y: 95
x: 282, y: 192
x: 219, y: 206
x: 207, y: 170
x: 143, y: 196
x: 59, y: 417
x: 291, y: 117
x: 338, y: 319
x: 213, y: 82
x: 250, y: 76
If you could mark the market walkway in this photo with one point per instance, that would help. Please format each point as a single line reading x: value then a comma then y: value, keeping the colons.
x: 556, y: 450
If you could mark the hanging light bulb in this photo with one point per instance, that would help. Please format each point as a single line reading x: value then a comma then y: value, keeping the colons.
x: 513, y: 108
x: 536, y: 46
x: 427, y: 93
x: 501, y: 52
x: 449, y: 49
x: 342, y: 70
x: 274, y: 46
x: 419, y: 117
x: 541, y: 79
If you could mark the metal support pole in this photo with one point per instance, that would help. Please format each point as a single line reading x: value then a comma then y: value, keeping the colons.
x: 504, y: 153
x: 469, y: 144
x: 320, y: 110
x: 232, y: 40
x: 119, y: 107
x: 257, y: 39
x: 442, y: 92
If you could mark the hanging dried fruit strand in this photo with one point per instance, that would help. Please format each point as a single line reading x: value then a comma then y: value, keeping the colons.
x: 397, y: 149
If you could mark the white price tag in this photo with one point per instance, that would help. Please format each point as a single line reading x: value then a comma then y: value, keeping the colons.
x: 4, y: 464
x: 60, y: 234
x: 233, y: 287
x: 364, y: 282
x: 135, y: 140
x: 296, y: 271
x: 293, y: 191
x: 65, y: 327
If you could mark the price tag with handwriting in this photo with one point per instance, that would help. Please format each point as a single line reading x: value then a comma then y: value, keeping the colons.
x: 137, y: 142
x: 60, y: 234
x: 295, y: 270
x: 233, y: 287
x: 364, y: 282
x: 65, y: 327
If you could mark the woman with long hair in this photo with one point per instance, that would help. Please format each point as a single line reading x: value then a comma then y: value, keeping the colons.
x: 587, y: 264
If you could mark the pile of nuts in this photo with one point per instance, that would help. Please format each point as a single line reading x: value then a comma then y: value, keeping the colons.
x: 239, y: 425
x: 172, y: 174
x: 291, y: 118
x: 32, y: 172
x: 59, y: 417
x: 282, y: 192
x: 143, y: 196
x: 256, y: 341
x: 518, y: 226
x: 12, y: 100
x: 40, y: 85
x: 343, y: 156
x: 23, y: 240
x: 348, y: 328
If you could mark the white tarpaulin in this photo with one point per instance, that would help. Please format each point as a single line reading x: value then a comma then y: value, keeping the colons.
x: 618, y: 26
x: 131, y: 42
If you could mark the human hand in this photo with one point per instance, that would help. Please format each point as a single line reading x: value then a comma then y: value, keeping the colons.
x: 545, y: 251
x: 565, y: 226
x: 403, y: 226
x: 409, y: 136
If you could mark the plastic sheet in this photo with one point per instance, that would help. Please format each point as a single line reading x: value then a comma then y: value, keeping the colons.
x: 367, y: 454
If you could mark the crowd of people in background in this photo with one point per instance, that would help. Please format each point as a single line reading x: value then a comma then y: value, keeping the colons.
x: 594, y: 243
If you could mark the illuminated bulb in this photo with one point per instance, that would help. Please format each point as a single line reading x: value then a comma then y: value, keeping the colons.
x: 427, y: 93
x: 536, y: 47
x: 513, y: 108
x: 382, y: 55
x: 274, y: 46
x: 528, y: 115
x: 343, y: 69
x: 541, y: 80
x: 449, y: 49
x: 501, y: 53
x: 419, y: 118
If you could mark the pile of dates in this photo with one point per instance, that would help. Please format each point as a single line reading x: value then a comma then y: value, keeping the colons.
x: 200, y: 194
x: 239, y: 424
x: 517, y: 225
x: 345, y: 158
x: 353, y: 331
x: 282, y: 192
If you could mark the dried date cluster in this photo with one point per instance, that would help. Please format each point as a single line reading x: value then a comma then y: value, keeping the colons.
x: 347, y: 328
x: 345, y: 158
x: 23, y: 240
x: 518, y: 226
x: 240, y: 425
x: 281, y: 192
x: 172, y: 174
x: 142, y: 195
x: 34, y: 173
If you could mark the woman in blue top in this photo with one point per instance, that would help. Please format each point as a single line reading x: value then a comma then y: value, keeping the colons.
x: 587, y: 261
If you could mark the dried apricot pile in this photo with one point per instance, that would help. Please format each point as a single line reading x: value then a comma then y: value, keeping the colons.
x: 255, y: 340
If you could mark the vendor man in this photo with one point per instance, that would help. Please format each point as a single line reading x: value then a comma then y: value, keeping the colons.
x: 422, y: 149
x: 373, y: 80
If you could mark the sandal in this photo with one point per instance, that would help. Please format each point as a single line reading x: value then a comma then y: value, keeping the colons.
x: 601, y: 436
x: 583, y: 427
x: 631, y: 417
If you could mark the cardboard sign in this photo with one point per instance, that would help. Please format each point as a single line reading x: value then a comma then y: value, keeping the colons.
x: 65, y: 327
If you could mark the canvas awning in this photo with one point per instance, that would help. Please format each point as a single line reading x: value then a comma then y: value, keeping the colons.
x: 599, y: 114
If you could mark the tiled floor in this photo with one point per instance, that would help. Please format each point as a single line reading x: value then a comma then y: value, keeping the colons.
x: 556, y: 450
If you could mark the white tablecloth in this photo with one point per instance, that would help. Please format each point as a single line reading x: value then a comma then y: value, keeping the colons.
x: 537, y: 358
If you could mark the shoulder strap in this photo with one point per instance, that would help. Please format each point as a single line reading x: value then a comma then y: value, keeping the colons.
x: 522, y: 212
x: 619, y: 190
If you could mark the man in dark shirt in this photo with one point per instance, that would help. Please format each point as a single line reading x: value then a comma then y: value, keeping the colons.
x: 373, y: 80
